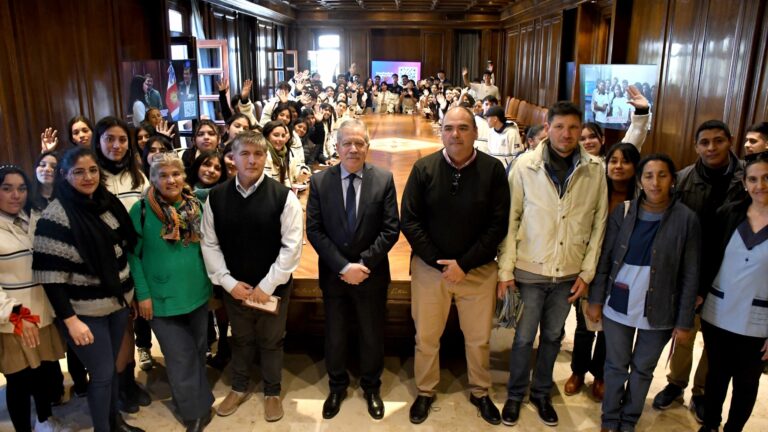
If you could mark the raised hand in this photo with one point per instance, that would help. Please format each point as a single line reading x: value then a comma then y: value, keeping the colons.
x: 464, y: 71
x: 246, y: 90
x: 164, y: 129
x: 49, y: 139
x: 223, y: 85
x: 282, y: 95
x: 636, y: 99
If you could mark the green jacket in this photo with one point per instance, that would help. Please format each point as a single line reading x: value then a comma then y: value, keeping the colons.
x: 170, y: 274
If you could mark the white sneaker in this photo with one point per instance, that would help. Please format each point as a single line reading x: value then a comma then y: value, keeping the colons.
x: 52, y: 425
x: 146, y: 362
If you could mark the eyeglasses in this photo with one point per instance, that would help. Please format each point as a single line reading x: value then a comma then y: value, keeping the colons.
x: 81, y: 173
x: 455, y: 183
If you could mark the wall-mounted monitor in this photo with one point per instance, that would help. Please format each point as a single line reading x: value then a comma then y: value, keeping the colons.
x: 385, y: 69
x: 604, y: 92
x: 169, y: 85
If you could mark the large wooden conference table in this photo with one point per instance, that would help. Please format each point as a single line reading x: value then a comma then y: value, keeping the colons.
x: 397, y: 142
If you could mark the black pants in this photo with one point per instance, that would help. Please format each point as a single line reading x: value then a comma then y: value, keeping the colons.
x: 28, y: 383
x: 734, y: 357
x: 343, y: 303
x: 143, y: 333
x: 584, y: 360
x: 254, y: 331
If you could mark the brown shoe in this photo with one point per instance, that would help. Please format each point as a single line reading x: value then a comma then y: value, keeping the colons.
x: 574, y: 384
x: 598, y: 389
x: 273, y: 408
x: 231, y: 402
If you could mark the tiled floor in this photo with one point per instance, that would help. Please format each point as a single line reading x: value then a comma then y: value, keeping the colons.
x: 305, y: 388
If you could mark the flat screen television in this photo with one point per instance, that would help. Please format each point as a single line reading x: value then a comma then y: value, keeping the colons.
x: 385, y: 69
x: 169, y: 85
x: 604, y: 92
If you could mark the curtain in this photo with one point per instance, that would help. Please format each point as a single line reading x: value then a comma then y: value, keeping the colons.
x: 467, y: 56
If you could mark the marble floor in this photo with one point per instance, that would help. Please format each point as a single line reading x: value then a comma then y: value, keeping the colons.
x: 305, y: 388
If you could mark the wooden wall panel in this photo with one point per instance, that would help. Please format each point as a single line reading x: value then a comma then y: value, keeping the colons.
x: 709, y: 57
x: 396, y: 44
x: 357, y: 50
x: 432, y: 52
x: 757, y: 110
x: 61, y: 59
x: 549, y: 71
x: 527, y: 80
x: 511, y: 60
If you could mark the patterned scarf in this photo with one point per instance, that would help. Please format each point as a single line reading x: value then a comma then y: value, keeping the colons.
x: 280, y: 159
x: 182, y: 223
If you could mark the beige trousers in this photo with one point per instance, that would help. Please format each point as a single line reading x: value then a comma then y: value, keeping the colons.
x: 431, y: 299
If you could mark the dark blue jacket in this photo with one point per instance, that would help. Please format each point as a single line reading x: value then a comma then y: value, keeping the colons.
x: 675, y: 262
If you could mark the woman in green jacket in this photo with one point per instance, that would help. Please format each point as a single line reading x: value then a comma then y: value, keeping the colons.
x: 172, y: 286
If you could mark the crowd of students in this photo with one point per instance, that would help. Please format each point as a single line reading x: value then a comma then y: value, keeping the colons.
x: 113, y: 221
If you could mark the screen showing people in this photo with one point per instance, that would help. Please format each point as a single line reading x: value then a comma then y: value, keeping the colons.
x: 605, y: 92
x: 168, y: 86
x: 385, y: 69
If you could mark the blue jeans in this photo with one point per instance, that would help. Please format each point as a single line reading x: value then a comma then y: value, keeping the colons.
x: 99, y: 358
x: 625, y: 391
x: 546, y: 305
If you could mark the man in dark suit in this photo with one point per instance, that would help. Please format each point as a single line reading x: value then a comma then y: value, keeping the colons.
x: 352, y: 223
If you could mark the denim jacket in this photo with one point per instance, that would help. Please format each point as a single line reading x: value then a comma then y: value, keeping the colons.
x: 675, y: 261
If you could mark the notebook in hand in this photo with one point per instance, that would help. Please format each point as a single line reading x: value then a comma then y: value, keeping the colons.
x: 272, y: 306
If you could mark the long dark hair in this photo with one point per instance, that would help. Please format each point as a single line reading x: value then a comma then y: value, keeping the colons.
x: 630, y: 153
x: 235, y: 116
x: 136, y: 91
x: 130, y: 161
x: 167, y: 145
x: 36, y: 198
x: 15, y: 169
x: 661, y: 157
x: 193, y: 177
x: 268, y: 128
x: 597, y: 130
x: 143, y: 126
x: 279, y: 108
x: 67, y: 161
x: 72, y: 121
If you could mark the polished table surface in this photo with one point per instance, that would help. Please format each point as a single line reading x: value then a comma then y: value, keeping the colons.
x: 397, y: 142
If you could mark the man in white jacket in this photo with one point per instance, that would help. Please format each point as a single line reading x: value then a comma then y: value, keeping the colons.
x: 556, y: 225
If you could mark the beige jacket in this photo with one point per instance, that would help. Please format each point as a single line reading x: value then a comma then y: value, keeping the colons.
x: 549, y: 235
x: 17, y: 286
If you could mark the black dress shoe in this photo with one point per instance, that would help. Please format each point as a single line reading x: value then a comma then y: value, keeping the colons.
x: 547, y: 413
x: 511, y: 412
x: 332, y: 404
x: 486, y: 409
x: 198, y: 425
x: 420, y: 408
x: 375, y: 405
x: 119, y: 425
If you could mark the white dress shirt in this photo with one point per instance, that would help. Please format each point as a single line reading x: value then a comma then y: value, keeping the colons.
x: 292, y: 236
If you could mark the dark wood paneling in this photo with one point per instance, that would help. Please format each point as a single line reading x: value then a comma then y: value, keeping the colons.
x: 61, y: 59
x: 527, y: 81
x: 509, y: 66
x: 758, y: 104
x: 550, y: 59
x: 432, y: 52
x: 396, y: 44
x: 357, y: 50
